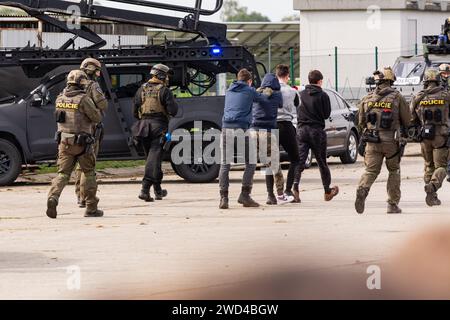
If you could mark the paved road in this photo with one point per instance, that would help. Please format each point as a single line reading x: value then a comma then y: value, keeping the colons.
x: 185, y: 245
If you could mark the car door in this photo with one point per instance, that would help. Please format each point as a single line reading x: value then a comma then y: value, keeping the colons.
x: 41, y: 124
x: 333, y: 123
x: 341, y: 120
x: 125, y: 82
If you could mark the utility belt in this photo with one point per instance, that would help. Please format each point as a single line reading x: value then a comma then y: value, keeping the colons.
x: 154, y: 115
x: 71, y: 139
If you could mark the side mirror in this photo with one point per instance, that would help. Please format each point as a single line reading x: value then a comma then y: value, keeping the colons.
x: 36, y: 100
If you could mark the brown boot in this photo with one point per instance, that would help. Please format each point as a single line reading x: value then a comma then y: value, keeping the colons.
x: 361, y: 196
x: 246, y: 200
x: 432, y: 198
x: 393, y: 209
x: 52, y: 204
x: 333, y: 193
x: 93, y: 214
x: 224, y: 200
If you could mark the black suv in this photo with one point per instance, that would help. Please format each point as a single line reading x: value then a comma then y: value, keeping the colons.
x: 27, y: 124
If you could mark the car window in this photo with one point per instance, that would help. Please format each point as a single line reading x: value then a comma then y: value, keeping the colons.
x: 126, y: 85
x: 341, y: 102
x: 334, y: 103
x: 55, y: 90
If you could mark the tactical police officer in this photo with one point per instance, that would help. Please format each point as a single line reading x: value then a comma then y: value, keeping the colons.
x: 444, y: 70
x: 76, y: 114
x: 382, y: 115
x: 154, y: 106
x: 430, y: 111
x: 92, y: 67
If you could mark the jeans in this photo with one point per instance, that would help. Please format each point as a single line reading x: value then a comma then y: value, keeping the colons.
x: 228, y: 137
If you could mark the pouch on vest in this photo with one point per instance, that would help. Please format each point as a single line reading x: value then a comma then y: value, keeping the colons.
x: 387, y: 118
x: 438, y: 116
x: 428, y: 115
x: 372, y: 118
x: 371, y: 137
x: 68, y: 138
x: 84, y: 139
x: 429, y: 132
x: 60, y: 116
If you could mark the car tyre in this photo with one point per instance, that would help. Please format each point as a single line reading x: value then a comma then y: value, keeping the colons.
x: 351, y: 151
x: 10, y: 162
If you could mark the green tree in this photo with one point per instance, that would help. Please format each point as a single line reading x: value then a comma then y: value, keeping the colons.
x: 293, y: 17
x: 233, y: 12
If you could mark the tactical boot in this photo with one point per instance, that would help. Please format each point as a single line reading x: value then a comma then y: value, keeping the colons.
x: 393, y: 209
x: 436, y: 200
x: 160, y: 193
x: 333, y: 193
x: 271, y: 200
x: 52, y: 204
x: 360, y: 203
x: 81, y: 203
x: 145, y: 193
x: 246, y: 200
x: 224, y: 200
x: 93, y: 214
x: 431, y: 198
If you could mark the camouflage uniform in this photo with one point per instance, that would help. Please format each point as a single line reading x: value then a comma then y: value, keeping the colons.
x: 381, y: 115
x: 445, y: 80
x: 76, y: 114
x: 90, y: 67
x: 430, y: 111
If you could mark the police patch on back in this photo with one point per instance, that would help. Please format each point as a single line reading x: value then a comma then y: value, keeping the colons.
x: 67, y: 106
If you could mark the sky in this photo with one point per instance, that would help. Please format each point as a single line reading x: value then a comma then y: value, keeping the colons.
x: 266, y: 7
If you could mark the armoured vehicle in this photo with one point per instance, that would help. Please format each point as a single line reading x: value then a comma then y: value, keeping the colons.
x: 410, y: 70
x: 27, y: 124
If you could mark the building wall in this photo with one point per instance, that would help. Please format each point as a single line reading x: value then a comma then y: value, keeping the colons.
x: 356, y: 33
x: 356, y: 37
x: 20, y: 38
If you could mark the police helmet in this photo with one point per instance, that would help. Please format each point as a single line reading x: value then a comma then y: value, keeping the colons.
x: 387, y: 74
x: 444, y: 68
x: 77, y: 77
x: 90, y: 65
x: 432, y: 75
x: 160, y: 71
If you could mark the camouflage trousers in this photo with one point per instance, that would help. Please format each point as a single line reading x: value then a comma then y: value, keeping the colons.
x: 80, y: 177
x: 375, y: 154
x: 435, y: 153
x: 273, y: 173
x: 68, y: 157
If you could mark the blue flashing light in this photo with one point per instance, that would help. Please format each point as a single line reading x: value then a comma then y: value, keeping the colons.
x: 216, y: 51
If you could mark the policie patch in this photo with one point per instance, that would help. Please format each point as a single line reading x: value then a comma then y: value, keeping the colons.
x: 432, y: 103
x: 67, y: 106
x: 382, y: 105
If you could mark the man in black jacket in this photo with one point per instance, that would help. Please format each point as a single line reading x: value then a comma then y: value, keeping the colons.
x: 314, y: 109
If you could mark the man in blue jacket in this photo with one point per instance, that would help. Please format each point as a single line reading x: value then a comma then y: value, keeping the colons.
x: 237, y: 119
